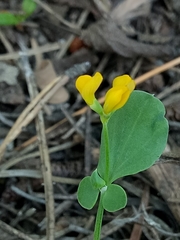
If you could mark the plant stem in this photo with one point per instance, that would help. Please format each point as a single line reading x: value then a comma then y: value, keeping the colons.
x: 105, y: 129
x: 99, y: 216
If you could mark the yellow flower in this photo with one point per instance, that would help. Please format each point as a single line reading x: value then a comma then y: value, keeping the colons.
x: 118, y: 95
x: 88, y: 85
x: 115, y: 98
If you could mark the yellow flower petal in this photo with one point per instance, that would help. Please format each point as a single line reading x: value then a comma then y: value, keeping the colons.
x: 88, y: 85
x: 118, y: 95
x: 115, y: 98
x: 82, y: 81
x: 124, y: 80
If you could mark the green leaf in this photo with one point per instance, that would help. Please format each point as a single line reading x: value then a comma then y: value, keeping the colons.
x: 7, y: 18
x: 87, y: 194
x: 114, y: 198
x: 96, y: 180
x: 137, y: 136
x: 29, y: 6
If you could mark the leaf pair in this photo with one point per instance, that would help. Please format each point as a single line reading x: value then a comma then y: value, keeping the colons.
x: 113, y: 197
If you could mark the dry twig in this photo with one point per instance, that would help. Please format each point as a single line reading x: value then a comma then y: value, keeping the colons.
x: 5, y: 227
x: 30, y: 52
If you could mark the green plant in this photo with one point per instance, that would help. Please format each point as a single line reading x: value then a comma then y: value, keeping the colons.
x: 8, y: 18
x: 134, y: 134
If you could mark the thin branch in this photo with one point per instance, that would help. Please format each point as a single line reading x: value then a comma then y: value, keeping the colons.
x: 30, y: 52
x: 36, y: 174
x: 5, y: 227
x: 27, y: 196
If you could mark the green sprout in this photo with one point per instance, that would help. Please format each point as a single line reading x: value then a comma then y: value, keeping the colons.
x: 134, y: 135
x: 7, y: 18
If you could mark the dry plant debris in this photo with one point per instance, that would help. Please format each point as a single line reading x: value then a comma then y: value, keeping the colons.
x: 49, y: 139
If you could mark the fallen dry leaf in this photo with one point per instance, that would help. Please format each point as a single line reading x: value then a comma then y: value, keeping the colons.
x: 129, y: 9
x: 44, y: 75
x: 106, y: 36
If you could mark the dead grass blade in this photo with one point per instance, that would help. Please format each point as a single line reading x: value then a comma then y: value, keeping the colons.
x: 129, y: 9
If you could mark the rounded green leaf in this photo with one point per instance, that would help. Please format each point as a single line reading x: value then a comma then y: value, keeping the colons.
x: 96, y: 180
x: 29, y: 6
x: 87, y: 194
x: 114, y: 198
x: 137, y: 136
